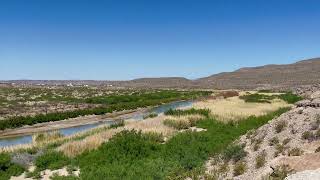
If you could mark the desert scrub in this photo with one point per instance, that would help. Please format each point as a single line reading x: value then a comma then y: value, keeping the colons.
x: 307, y: 135
x: 286, y: 141
x: 239, y: 168
x: 274, y: 141
x: 281, y: 172
x: 280, y: 125
x: 234, y: 152
x: 7, y: 168
x: 280, y: 149
x: 295, y: 152
x: 257, y: 143
x: 261, y: 160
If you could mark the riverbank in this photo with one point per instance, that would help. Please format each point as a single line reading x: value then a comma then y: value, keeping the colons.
x: 67, y: 123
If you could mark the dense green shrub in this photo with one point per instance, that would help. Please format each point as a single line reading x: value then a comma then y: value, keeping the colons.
x: 51, y: 160
x: 7, y: 168
x: 234, y: 152
x: 289, y: 97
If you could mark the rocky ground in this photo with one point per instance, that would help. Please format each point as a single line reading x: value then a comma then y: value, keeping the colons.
x: 287, y: 145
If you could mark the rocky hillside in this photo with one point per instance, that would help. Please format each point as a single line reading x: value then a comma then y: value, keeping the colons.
x: 304, y: 72
x: 287, y: 147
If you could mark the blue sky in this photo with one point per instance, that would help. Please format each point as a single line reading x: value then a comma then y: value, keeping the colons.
x: 127, y: 39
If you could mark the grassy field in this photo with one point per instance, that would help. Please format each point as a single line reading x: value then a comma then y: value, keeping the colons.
x: 247, y: 104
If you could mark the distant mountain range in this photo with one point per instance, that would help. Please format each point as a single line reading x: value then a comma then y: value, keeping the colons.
x: 306, y: 72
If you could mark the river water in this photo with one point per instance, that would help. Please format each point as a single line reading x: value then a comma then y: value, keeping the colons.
x: 25, y: 139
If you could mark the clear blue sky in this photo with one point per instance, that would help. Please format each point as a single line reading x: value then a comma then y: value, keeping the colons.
x: 127, y: 39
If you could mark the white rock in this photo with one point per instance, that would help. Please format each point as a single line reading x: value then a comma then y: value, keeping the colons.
x: 305, y: 175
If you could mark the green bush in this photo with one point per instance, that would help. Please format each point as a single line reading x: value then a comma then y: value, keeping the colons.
x: 51, y: 160
x: 234, y: 152
x: 289, y: 97
x: 7, y: 168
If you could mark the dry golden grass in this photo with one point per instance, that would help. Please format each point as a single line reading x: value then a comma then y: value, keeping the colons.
x: 44, y: 138
x: 16, y: 148
x: 235, y: 108
x: 74, y: 148
x: 93, y: 141
x: 152, y: 125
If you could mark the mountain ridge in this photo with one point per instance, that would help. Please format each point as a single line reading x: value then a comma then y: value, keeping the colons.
x: 305, y: 72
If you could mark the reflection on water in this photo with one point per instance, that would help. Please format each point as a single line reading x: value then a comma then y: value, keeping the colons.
x: 73, y: 130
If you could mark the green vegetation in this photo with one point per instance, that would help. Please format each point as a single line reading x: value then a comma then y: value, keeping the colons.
x: 234, y: 152
x: 51, y: 160
x: 289, y: 97
x: 110, y: 104
x: 192, y: 111
x: 7, y: 168
x: 131, y: 154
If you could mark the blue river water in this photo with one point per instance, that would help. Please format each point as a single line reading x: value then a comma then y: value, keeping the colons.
x: 25, y: 139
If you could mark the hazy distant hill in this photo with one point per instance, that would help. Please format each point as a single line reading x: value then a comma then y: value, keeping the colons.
x: 301, y: 73
x: 304, y: 72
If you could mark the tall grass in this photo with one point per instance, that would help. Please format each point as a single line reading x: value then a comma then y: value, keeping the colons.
x: 192, y: 111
